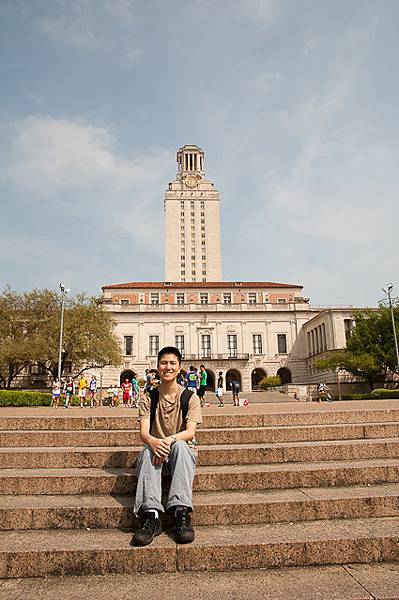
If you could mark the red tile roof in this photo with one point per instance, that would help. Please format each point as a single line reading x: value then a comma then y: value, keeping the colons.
x: 197, y: 284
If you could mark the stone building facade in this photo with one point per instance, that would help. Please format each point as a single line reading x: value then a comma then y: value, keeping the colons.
x: 246, y: 330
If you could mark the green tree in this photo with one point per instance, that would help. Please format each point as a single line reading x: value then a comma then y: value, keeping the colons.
x: 29, y: 333
x: 370, y: 351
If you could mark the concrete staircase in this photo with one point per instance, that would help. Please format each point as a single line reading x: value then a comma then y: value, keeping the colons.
x: 310, y: 488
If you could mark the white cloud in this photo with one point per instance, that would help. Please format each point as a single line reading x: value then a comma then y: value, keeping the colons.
x: 74, y: 163
x: 262, y: 11
x: 71, y: 30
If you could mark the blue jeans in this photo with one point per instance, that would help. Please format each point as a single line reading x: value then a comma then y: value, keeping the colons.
x: 181, y: 464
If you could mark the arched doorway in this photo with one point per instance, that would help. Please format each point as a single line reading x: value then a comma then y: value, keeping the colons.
x: 128, y: 374
x: 233, y: 375
x: 285, y: 375
x: 210, y: 385
x: 256, y: 377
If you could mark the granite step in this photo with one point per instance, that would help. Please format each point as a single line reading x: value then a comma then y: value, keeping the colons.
x: 378, y: 581
x: 211, y: 508
x: 241, y: 435
x: 207, y: 478
x: 82, y: 552
x: 215, y: 454
x: 314, y: 415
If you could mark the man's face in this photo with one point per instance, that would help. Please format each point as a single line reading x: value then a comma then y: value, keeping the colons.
x: 168, y: 367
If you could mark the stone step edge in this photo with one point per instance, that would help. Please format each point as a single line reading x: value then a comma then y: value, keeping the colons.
x: 203, y: 498
x: 203, y: 469
x: 232, y: 447
x: 204, y: 429
x: 232, y: 508
x: 61, y: 552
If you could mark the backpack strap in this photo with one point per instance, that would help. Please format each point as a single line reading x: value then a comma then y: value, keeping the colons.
x: 184, y: 401
x: 154, y: 397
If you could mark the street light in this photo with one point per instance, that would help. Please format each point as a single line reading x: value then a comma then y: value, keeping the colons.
x: 64, y: 291
x: 388, y: 291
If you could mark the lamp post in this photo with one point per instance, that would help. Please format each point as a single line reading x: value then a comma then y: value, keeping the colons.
x: 64, y: 291
x: 388, y: 291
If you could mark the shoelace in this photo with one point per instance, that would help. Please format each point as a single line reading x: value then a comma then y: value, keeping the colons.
x: 183, y: 518
x: 148, y: 523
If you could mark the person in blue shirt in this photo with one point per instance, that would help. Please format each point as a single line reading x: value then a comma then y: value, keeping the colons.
x: 192, y: 379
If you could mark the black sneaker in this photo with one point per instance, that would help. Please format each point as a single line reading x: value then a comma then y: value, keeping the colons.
x: 184, y: 531
x: 150, y: 527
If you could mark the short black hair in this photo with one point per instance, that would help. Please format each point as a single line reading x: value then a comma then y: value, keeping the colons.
x: 203, y: 366
x: 170, y: 350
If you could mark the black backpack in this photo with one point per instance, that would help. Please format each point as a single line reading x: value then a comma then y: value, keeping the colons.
x: 184, y: 400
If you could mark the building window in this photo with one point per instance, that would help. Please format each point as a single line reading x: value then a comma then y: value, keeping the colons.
x: 154, y: 345
x: 281, y: 301
x: 282, y: 343
x: 182, y: 205
x: 348, y: 325
x: 179, y: 343
x: 204, y: 298
x: 192, y: 205
x: 128, y: 345
x: 154, y: 298
x: 252, y: 298
x: 226, y: 298
x: 180, y: 298
x: 257, y: 343
x: 232, y: 345
x: 202, y: 205
x: 205, y: 346
x: 125, y: 302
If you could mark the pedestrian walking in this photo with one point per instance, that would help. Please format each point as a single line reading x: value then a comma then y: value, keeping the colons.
x: 192, y: 379
x: 55, y: 393
x: 93, y: 391
x: 135, y: 391
x: 69, y: 390
x: 203, y: 381
x: 82, y: 387
x: 219, y: 389
x: 126, y: 389
x: 235, y: 390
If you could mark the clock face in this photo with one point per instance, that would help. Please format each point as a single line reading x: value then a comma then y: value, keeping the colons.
x: 191, y: 181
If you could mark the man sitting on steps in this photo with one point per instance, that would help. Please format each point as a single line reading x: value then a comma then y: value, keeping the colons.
x: 168, y: 419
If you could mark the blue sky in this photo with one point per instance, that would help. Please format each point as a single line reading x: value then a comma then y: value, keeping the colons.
x: 295, y: 104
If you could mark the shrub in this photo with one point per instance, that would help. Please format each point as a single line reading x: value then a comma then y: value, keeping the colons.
x: 376, y: 394
x: 383, y: 393
x: 20, y: 398
x: 271, y: 381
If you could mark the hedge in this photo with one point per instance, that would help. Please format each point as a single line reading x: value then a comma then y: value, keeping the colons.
x: 20, y: 398
x: 377, y: 394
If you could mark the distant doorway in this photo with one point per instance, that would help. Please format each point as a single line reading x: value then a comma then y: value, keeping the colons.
x: 210, y: 384
x: 233, y: 375
x: 128, y: 374
x: 256, y: 377
x: 285, y: 375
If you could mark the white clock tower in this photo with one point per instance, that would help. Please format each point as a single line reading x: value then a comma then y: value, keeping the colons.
x: 192, y: 222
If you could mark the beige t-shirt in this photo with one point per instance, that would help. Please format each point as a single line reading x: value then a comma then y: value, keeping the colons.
x: 168, y: 417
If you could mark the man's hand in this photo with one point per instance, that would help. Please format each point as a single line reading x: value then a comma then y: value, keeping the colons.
x: 160, y: 448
